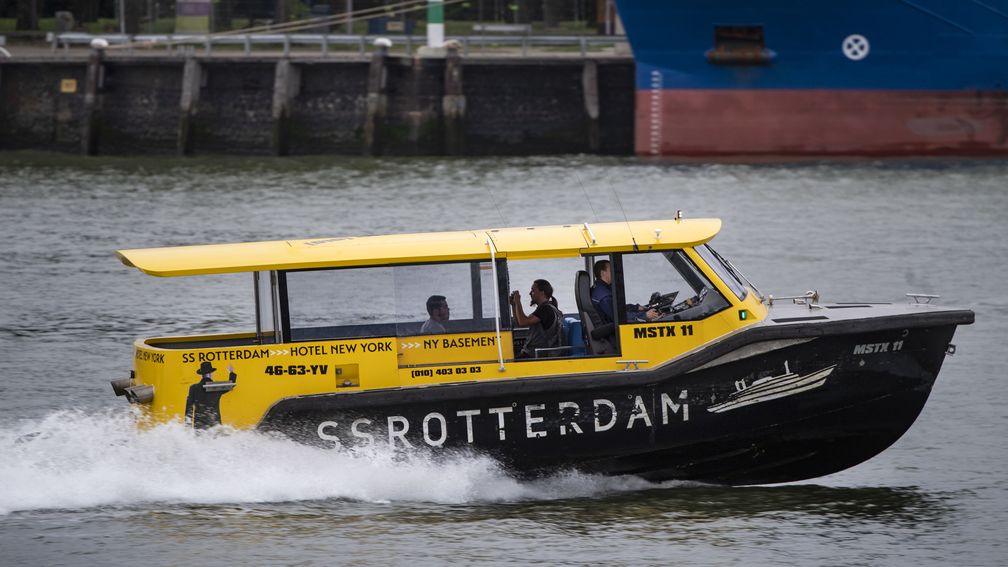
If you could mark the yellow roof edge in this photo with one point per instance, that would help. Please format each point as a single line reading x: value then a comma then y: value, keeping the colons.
x: 515, y: 243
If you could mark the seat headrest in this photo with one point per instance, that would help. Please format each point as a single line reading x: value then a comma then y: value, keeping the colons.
x: 582, y: 291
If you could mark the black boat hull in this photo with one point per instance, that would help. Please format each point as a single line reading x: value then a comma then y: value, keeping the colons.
x: 774, y: 404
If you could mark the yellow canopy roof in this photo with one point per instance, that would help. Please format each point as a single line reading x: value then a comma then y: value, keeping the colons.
x: 514, y: 243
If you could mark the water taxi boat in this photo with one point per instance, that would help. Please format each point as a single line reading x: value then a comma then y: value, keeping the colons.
x: 412, y: 341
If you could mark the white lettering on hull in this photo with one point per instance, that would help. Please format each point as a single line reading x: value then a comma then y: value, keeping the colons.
x: 436, y: 431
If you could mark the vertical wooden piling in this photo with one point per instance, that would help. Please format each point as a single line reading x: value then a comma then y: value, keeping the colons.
x: 376, y: 102
x: 92, y: 104
x: 286, y: 85
x: 453, y: 103
x: 589, y: 84
x: 192, y: 80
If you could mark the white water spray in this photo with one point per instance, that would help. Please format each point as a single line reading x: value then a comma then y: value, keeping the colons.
x: 70, y: 459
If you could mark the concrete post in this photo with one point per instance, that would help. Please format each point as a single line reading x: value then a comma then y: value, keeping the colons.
x: 286, y: 86
x: 192, y: 80
x: 453, y: 104
x: 376, y: 99
x: 92, y: 104
x: 589, y: 85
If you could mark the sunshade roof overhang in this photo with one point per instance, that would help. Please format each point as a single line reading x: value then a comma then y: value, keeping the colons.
x: 513, y: 243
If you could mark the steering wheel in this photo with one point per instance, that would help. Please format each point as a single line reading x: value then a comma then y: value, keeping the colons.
x: 691, y: 301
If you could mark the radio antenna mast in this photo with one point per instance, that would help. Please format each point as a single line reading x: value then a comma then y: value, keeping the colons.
x: 587, y: 198
x: 625, y: 219
x: 497, y: 206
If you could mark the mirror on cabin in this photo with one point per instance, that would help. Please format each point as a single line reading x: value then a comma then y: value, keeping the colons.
x: 669, y: 283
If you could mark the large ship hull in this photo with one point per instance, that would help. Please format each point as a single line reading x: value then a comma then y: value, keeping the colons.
x: 698, y: 122
x: 795, y: 78
x: 776, y: 403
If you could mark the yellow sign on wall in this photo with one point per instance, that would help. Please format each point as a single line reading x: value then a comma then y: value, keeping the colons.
x: 68, y: 86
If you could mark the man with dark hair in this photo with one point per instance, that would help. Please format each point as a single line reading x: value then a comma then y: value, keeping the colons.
x: 602, y: 297
x: 437, y: 308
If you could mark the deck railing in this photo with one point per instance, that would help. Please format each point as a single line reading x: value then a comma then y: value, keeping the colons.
x: 171, y: 43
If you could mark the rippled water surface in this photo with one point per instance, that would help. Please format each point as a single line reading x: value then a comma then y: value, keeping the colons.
x: 80, y: 485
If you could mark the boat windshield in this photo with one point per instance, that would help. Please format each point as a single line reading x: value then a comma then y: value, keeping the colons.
x: 726, y: 271
x: 669, y: 282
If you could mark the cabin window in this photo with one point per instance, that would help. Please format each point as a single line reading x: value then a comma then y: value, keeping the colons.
x: 560, y: 273
x: 723, y: 269
x: 388, y: 301
x: 460, y: 297
x: 344, y: 303
x: 669, y: 282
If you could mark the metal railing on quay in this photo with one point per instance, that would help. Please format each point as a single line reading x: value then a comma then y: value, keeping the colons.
x: 169, y: 42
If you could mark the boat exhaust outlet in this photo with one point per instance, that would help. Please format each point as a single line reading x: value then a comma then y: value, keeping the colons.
x: 142, y: 394
x: 119, y: 385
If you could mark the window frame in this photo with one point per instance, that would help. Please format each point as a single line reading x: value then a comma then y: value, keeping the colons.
x: 619, y: 283
x: 287, y: 337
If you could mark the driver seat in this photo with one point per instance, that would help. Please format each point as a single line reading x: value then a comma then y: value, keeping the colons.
x: 595, y: 331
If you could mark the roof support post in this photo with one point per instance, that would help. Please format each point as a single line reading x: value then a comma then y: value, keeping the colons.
x: 493, y: 267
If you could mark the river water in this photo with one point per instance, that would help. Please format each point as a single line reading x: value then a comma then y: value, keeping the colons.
x: 79, y: 485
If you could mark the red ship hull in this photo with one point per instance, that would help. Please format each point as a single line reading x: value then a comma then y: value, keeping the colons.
x: 698, y: 122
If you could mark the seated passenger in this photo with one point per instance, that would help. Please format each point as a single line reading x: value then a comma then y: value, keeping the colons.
x: 602, y: 298
x: 545, y: 324
x: 437, y: 308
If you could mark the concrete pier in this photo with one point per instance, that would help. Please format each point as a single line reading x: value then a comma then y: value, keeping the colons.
x: 453, y: 104
x: 92, y: 105
x: 116, y: 104
x: 192, y: 80
x: 374, y: 122
x: 286, y: 84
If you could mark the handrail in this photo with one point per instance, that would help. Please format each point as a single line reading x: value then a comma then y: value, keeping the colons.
x: 496, y: 286
x: 208, y: 41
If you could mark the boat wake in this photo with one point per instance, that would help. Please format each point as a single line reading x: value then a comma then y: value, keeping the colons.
x: 70, y: 460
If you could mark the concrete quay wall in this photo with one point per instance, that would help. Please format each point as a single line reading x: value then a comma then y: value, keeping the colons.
x: 381, y: 105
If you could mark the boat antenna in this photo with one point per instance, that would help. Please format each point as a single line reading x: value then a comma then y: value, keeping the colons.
x: 497, y: 206
x: 625, y: 219
x: 587, y: 198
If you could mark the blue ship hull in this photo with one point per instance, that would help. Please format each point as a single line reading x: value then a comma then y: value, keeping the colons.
x: 887, y: 77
